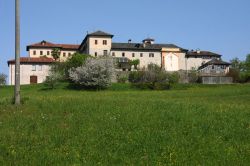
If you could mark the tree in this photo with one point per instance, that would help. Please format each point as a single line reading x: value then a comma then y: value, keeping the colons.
x: 135, y: 62
x: 240, y: 70
x: 247, y: 63
x: 96, y: 73
x: 248, y: 58
x: 236, y: 64
x: 76, y: 60
x: 56, y: 53
x: 17, y: 53
x: 3, y: 78
x: 53, y: 79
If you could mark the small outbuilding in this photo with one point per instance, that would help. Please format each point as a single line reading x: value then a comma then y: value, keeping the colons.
x: 215, y: 72
x: 32, y: 70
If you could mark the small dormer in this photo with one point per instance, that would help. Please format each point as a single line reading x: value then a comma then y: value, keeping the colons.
x: 148, y: 41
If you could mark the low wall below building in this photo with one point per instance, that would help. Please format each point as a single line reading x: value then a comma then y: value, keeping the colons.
x: 216, y: 80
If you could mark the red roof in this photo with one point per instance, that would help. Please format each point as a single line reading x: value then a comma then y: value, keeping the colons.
x: 45, y: 44
x: 33, y: 60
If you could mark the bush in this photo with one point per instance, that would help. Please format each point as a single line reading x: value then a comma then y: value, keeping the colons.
x: 174, y: 78
x: 3, y: 78
x: 53, y: 79
x: 135, y: 76
x: 94, y: 74
x: 122, y: 78
x: 244, y: 77
x: 193, y: 76
x: 161, y: 86
x: 59, y: 68
x: 235, y: 74
x: 152, y: 78
x: 76, y: 60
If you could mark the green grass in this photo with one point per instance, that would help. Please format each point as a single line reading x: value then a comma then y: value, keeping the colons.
x: 188, y: 125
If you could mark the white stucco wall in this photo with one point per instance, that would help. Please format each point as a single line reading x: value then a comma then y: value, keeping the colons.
x: 99, y: 47
x: 144, y: 61
x: 171, y: 62
x: 26, y: 72
x: 62, y: 58
x: 195, y: 63
x: 182, y: 61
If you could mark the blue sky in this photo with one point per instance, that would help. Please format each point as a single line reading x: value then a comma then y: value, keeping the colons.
x: 221, y: 26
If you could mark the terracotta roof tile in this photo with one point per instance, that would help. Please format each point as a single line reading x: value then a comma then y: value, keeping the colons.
x: 33, y: 60
x: 45, y: 44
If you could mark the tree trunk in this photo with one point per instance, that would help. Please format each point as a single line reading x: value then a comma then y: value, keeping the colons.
x: 17, y: 52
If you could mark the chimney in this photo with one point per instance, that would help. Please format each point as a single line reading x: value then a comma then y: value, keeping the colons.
x: 43, y: 42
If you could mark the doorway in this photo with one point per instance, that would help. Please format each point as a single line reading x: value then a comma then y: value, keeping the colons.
x: 33, y: 79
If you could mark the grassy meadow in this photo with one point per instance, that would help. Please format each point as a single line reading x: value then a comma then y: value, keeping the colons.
x: 187, y: 125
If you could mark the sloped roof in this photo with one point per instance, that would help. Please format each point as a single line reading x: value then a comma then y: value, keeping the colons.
x: 140, y: 46
x: 202, y: 53
x: 46, y: 44
x: 217, y: 62
x: 97, y: 34
x: 214, y: 61
x: 100, y: 33
x: 33, y: 60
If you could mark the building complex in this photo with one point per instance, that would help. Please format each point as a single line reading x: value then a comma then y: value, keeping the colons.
x: 35, y: 67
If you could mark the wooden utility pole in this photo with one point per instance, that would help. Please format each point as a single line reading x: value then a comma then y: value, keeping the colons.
x: 17, y: 52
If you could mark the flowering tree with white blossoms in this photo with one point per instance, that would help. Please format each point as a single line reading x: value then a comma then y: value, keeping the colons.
x: 94, y: 73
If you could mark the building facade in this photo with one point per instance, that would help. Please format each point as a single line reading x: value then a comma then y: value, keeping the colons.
x: 214, y: 67
x: 168, y: 56
x: 32, y: 70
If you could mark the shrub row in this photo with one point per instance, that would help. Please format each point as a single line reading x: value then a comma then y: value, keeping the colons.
x: 154, y: 77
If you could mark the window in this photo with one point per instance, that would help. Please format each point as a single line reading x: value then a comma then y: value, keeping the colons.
x: 41, y: 52
x: 113, y: 53
x: 133, y: 54
x: 48, y: 52
x: 151, y: 55
x: 96, y: 42
x: 40, y: 68
x: 64, y: 54
x: 141, y: 54
x: 34, y: 52
x: 69, y: 54
x: 123, y: 54
x: 33, y: 67
x: 95, y: 54
x: 104, y: 42
x: 105, y: 52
